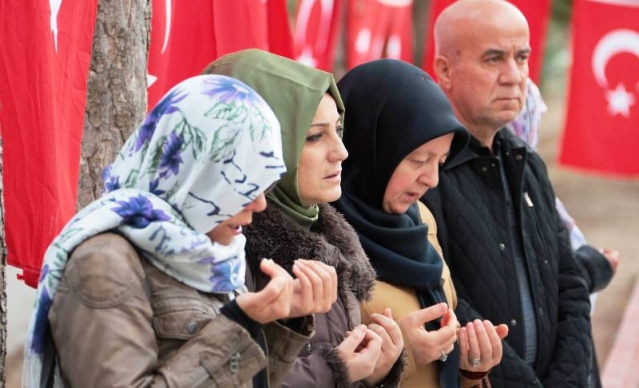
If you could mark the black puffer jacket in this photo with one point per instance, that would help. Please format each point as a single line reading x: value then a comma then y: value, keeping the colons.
x: 473, y: 231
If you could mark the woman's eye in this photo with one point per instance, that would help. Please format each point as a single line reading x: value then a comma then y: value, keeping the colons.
x: 340, y: 132
x: 418, y: 163
x: 315, y: 138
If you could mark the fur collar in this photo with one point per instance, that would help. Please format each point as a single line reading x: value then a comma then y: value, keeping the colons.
x: 331, y: 240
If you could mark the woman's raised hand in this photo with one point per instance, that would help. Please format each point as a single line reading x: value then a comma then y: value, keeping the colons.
x: 480, y: 345
x: 429, y: 346
x: 359, y: 351
x: 273, y: 302
x: 314, y: 289
x: 392, y: 344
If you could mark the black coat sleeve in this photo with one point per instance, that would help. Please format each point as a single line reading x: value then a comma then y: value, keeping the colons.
x: 595, y: 268
x: 572, y: 358
x: 512, y: 370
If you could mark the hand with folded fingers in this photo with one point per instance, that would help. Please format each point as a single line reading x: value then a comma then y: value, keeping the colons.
x: 429, y: 346
x: 273, y: 302
x: 314, y: 289
x: 480, y: 346
x: 392, y: 345
x: 359, y: 351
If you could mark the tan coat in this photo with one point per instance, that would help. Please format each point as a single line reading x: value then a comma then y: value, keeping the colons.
x: 403, y: 301
x: 117, y: 321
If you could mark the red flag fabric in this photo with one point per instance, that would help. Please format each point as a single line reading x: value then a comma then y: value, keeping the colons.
x: 317, y: 24
x: 239, y: 24
x: 602, y: 123
x: 44, y: 56
x: 187, y: 36
x: 280, y: 37
x: 537, y: 13
x: 182, y: 44
x: 379, y: 29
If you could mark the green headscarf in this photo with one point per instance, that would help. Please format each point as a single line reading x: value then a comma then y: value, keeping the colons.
x: 293, y: 91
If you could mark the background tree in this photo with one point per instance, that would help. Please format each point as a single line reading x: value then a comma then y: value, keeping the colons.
x: 3, y: 283
x: 116, y: 104
x: 116, y: 100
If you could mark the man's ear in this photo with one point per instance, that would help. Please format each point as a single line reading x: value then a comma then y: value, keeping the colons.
x: 442, y: 72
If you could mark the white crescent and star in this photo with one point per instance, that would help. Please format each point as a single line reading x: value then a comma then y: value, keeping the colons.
x: 168, y: 8
x: 613, y: 43
x: 54, y: 6
x: 364, y: 42
x: 167, y: 28
x: 301, y: 27
x: 396, y: 3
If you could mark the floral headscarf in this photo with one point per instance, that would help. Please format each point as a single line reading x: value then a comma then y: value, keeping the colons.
x: 205, y: 152
x: 526, y: 125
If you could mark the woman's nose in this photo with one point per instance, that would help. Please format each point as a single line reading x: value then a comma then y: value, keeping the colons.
x: 430, y: 178
x: 258, y: 204
x: 339, y: 152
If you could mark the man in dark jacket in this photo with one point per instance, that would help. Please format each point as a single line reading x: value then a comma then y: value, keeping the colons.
x: 504, y: 242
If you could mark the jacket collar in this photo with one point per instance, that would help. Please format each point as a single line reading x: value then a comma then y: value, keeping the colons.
x: 503, y: 138
x: 331, y: 240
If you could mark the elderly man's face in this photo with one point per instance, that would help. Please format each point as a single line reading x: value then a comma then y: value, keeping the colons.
x: 488, y: 79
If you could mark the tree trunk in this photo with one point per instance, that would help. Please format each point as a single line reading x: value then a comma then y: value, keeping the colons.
x: 3, y: 283
x: 420, y: 14
x: 116, y: 101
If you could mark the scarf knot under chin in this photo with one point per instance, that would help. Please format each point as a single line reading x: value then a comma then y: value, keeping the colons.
x: 397, y: 246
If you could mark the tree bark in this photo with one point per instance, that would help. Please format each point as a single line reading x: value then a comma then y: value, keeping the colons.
x: 420, y: 14
x: 116, y: 101
x: 3, y: 283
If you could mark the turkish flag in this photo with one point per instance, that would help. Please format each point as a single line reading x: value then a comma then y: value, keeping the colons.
x: 187, y: 36
x: 379, y: 29
x: 317, y: 24
x: 182, y: 44
x: 536, y: 12
x: 45, y: 55
x: 280, y: 37
x: 602, y: 124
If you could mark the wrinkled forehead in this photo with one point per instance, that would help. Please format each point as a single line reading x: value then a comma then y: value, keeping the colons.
x: 481, y: 37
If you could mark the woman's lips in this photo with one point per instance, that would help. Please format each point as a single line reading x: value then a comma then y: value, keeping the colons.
x: 412, y: 196
x: 336, y: 176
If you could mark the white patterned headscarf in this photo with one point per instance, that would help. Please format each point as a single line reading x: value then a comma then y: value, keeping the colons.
x: 526, y: 125
x: 205, y: 152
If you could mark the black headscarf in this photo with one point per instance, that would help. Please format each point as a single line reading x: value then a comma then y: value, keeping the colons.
x: 392, y: 108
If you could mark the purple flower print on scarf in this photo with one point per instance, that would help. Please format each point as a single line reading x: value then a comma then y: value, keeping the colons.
x: 164, y: 107
x: 138, y: 212
x: 171, y: 159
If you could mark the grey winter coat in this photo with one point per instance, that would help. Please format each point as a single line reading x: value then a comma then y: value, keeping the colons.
x: 332, y: 241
